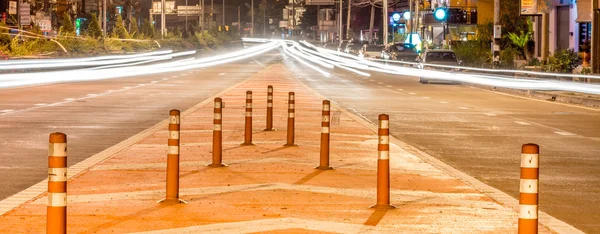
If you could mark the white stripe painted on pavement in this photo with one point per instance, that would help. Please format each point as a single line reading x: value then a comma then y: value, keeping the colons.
x: 522, y: 123
x: 563, y: 133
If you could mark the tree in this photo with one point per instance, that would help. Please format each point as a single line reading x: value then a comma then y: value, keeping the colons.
x: 119, y: 30
x: 309, y: 18
x: 94, y: 27
x: 67, y: 27
x: 147, y: 29
x: 133, y: 27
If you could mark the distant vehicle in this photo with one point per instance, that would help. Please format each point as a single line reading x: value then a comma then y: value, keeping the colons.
x: 372, y: 51
x: 401, y: 52
x: 438, y: 57
x: 342, y: 45
x: 353, y: 48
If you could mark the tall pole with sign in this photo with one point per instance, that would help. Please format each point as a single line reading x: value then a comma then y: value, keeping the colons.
x: 223, y: 13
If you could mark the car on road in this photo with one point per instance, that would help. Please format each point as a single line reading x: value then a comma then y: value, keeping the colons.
x: 371, y: 51
x: 401, y: 52
x: 438, y: 57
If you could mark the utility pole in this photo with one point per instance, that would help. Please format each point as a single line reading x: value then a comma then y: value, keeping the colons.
x: 545, y: 34
x: 264, y: 23
x: 223, y: 13
x: 201, y: 19
x: 417, y: 2
x: 348, y: 20
x: 211, y: 14
x: 252, y: 13
x: 239, y: 21
x: 319, y: 21
x: 595, y: 50
x: 497, y: 31
x: 186, y: 4
x: 384, y: 23
x: 104, y: 18
x: 293, y: 16
x: 372, y: 22
x: 340, y: 36
x: 410, y: 29
x: 163, y: 18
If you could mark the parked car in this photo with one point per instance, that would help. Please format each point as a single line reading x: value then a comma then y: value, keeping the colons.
x: 371, y: 51
x: 438, y: 57
x: 401, y: 52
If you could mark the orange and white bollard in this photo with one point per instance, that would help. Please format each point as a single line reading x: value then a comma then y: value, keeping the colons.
x: 217, y: 135
x: 325, y: 123
x: 269, y: 109
x: 248, y: 123
x: 528, y: 199
x: 173, y: 144
x: 57, y: 184
x: 383, y: 164
x: 291, y: 119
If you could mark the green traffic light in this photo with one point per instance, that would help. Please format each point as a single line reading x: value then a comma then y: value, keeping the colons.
x: 440, y: 14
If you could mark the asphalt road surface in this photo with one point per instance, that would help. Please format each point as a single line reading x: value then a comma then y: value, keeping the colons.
x: 99, y: 114
x: 476, y: 131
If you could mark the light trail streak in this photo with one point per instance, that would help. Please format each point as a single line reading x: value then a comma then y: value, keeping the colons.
x: 481, y: 79
x: 285, y: 49
x: 94, y: 63
x: 86, y: 59
x: 23, y: 79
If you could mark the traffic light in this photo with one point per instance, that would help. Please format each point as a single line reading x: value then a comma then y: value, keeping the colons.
x: 396, y: 17
x: 440, y: 13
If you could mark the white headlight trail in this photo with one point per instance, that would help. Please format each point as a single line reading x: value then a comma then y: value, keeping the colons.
x: 22, y: 79
x: 285, y: 49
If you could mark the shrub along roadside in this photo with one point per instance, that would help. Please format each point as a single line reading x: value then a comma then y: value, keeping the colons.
x: 91, y: 42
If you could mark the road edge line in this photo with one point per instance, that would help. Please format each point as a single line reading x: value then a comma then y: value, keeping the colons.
x: 39, y: 189
x: 552, y: 223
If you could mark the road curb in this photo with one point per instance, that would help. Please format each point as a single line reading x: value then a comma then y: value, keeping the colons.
x: 504, y: 199
x: 37, y: 190
x: 541, y: 95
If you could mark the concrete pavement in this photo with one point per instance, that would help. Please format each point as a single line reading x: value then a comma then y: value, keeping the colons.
x: 267, y: 187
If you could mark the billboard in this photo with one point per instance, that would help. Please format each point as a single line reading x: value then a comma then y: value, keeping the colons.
x: 157, y: 7
x: 188, y: 10
x: 530, y: 7
x: 320, y: 2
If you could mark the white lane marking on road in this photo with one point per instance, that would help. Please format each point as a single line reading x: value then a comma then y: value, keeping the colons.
x: 463, y: 108
x: 69, y: 99
x: 412, y: 93
x: 174, y: 76
x: 165, y: 78
x: 92, y: 94
x: 40, y: 104
x: 444, y: 102
x: 426, y: 97
x: 154, y: 81
x: 389, y: 86
x: 126, y: 87
x: 6, y: 111
x: 220, y: 74
x: 259, y: 63
x: 563, y: 133
x: 379, y: 82
x: 371, y: 80
x: 400, y: 89
x: 490, y: 114
x: 522, y: 123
